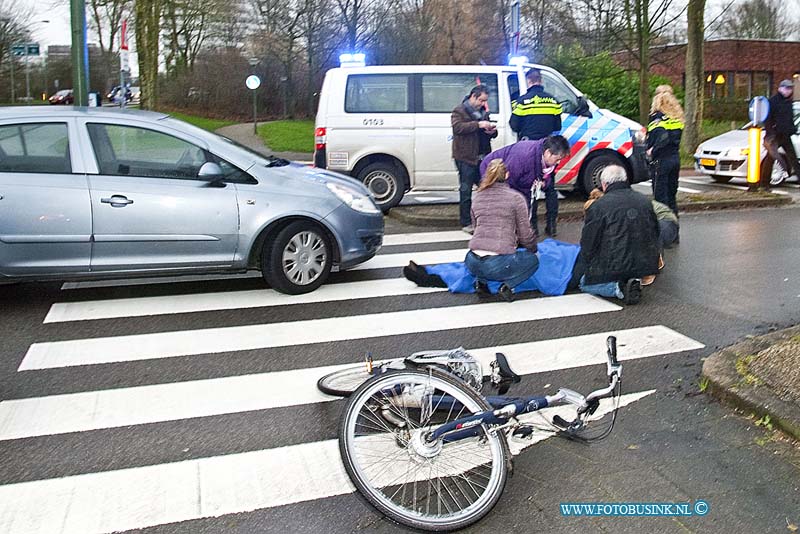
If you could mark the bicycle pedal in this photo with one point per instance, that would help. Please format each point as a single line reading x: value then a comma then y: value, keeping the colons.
x: 523, y: 432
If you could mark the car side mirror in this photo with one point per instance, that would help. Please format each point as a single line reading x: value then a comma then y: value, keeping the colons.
x: 582, y: 109
x: 212, y: 173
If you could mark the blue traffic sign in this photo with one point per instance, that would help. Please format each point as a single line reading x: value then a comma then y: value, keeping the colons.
x: 758, y: 109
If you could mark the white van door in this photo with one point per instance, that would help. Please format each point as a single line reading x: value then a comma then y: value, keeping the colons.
x: 440, y: 93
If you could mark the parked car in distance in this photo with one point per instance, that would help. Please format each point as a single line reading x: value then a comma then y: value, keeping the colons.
x: 64, y: 96
x: 725, y: 156
x: 115, y: 93
x: 89, y: 193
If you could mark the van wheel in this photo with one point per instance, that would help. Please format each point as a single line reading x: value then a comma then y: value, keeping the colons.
x: 385, y: 182
x: 720, y: 179
x: 591, y: 174
x: 298, y: 260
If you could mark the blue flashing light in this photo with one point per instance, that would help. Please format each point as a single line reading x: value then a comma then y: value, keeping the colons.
x: 352, y: 60
x: 517, y: 60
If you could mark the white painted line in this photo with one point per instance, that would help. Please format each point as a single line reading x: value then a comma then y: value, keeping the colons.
x: 425, y: 237
x: 430, y: 199
x: 697, y: 181
x: 383, y: 261
x: 215, y: 340
x: 153, y: 495
x: 93, y: 410
x: 688, y: 190
x: 228, y: 300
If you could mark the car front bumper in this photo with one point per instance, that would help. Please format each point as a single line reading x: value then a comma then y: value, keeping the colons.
x: 360, y: 235
x: 715, y: 165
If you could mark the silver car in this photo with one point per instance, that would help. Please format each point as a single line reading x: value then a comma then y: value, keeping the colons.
x: 105, y: 193
x: 725, y: 156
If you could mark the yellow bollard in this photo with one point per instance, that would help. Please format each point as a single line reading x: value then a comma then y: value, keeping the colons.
x: 754, y: 155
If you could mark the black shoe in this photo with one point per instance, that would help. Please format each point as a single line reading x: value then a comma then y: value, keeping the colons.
x: 550, y: 230
x: 506, y: 293
x: 631, y: 291
x: 482, y: 289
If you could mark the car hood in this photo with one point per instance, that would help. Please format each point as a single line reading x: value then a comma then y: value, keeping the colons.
x: 312, y: 175
x: 732, y: 139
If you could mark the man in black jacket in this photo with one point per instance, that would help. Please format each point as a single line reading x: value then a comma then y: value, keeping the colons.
x: 536, y: 115
x: 619, y: 241
x: 779, y: 129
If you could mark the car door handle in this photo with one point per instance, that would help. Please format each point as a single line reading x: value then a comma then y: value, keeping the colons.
x: 117, y: 201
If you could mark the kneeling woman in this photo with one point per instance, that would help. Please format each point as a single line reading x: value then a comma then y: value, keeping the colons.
x: 500, y: 218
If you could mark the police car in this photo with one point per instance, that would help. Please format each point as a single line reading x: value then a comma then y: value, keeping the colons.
x: 389, y: 126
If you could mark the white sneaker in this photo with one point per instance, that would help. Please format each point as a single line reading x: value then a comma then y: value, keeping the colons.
x: 469, y: 229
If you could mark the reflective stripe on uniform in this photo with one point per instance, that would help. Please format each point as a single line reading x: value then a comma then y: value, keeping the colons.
x: 536, y: 106
x: 666, y: 123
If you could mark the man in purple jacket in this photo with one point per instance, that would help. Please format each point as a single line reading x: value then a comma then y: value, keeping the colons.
x: 529, y: 162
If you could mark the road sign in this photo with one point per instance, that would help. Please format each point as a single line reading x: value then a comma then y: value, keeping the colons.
x: 124, y: 60
x: 758, y: 109
x: 253, y: 82
x: 20, y: 50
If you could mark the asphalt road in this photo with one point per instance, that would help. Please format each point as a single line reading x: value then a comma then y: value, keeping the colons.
x: 190, y: 406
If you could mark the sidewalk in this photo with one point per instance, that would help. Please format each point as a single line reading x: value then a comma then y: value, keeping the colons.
x: 243, y: 134
x: 760, y: 376
x: 571, y: 208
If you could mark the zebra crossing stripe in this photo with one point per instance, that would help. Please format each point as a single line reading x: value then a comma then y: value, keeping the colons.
x: 425, y: 237
x: 94, y: 410
x: 237, y: 338
x: 414, y: 238
x: 431, y: 257
x: 228, y: 300
x: 153, y: 495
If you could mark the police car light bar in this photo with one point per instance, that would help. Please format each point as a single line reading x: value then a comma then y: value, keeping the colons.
x: 352, y: 60
x: 517, y: 60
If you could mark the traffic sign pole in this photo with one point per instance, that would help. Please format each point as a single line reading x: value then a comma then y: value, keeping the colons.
x: 758, y: 110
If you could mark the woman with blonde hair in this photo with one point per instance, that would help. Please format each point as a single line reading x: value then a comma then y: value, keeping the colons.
x: 500, y: 218
x: 663, y: 143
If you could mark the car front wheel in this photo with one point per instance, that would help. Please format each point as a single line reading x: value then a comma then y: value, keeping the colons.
x: 298, y: 260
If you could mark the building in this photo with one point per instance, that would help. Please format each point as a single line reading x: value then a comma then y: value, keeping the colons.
x: 735, y: 69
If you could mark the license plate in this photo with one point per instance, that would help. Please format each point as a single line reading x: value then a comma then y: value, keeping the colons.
x: 708, y: 162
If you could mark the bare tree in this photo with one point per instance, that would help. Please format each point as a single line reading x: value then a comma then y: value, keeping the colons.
x: 758, y: 19
x: 105, y: 20
x: 695, y: 31
x: 148, y: 17
x: 14, y: 23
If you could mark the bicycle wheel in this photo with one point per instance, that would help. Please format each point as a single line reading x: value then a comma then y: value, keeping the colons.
x: 442, y: 486
x: 344, y: 382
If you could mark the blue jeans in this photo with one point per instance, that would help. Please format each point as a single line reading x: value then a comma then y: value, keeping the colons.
x: 606, y: 289
x: 468, y: 175
x: 511, y: 269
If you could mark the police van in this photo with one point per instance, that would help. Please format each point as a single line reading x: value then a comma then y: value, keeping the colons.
x: 389, y: 126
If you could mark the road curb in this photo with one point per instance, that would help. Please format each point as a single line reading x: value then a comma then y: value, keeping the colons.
x: 446, y: 215
x: 726, y: 384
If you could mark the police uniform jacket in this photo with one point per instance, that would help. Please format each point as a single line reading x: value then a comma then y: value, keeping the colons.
x: 664, y: 136
x: 536, y: 114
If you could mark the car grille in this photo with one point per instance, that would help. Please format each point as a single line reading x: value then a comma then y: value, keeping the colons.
x: 711, y: 152
x: 730, y: 165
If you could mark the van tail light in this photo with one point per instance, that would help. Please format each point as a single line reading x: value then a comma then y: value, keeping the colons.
x: 319, y: 138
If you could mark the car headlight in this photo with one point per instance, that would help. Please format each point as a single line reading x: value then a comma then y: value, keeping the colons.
x: 354, y: 198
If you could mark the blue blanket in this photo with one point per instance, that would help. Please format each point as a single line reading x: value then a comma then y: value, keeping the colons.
x: 556, y: 260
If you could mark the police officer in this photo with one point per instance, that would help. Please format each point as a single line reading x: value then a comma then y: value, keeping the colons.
x: 536, y: 115
x: 778, y: 131
x: 663, y: 143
